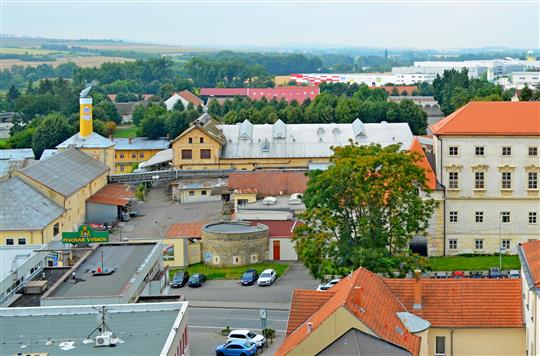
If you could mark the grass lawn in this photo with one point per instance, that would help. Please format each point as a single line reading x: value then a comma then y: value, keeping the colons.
x: 473, y: 263
x: 125, y: 131
x: 231, y: 272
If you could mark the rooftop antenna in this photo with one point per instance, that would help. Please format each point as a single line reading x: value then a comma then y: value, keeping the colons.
x: 106, y: 336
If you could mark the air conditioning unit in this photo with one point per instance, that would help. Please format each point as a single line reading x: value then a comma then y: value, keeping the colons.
x: 269, y: 201
x: 105, y: 339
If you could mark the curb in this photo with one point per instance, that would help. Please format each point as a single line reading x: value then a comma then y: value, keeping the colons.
x: 218, y: 305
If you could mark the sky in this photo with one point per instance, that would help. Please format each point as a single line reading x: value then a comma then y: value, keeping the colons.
x: 420, y: 24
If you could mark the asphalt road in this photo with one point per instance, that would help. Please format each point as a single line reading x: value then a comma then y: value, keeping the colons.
x: 205, y: 325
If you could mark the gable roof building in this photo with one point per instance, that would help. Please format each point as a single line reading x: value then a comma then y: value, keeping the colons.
x: 186, y: 97
x: 402, y: 312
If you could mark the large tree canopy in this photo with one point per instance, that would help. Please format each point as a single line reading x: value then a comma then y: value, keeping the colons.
x: 363, y: 211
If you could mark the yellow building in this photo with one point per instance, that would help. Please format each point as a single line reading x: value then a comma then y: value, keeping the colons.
x: 68, y: 178
x: 206, y: 144
x: 128, y: 152
x: 407, y: 317
x: 27, y: 216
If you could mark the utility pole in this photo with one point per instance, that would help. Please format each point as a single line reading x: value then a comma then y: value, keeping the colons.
x: 500, y: 241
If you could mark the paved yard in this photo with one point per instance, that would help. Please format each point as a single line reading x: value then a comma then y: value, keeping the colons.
x: 158, y: 207
x: 231, y: 291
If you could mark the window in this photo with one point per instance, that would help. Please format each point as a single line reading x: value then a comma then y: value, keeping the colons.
x: 203, y: 192
x: 216, y: 260
x: 506, y: 180
x: 453, y: 150
x: 479, y: 216
x: 533, y: 151
x: 242, y: 201
x: 10, y: 242
x: 254, y: 258
x: 133, y: 156
x: 186, y: 154
x: 56, y: 229
x: 479, y: 150
x: 507, y: 151
x: 532, y: 217
x: 505, y: 217
x: 235, y: 260
x: 440, y: 345
x: 452, y: 244
x: 478, y: 180
x: 453, y: 216
x: 532, y: 181
x: 21, y: 241
x: 191, y: 193
x: 141, y: 155
x: 505, y: 244
x: 201, y: 139
x: 479, y: 244
x: 205, y: 154
x: 190, y: 140
x: 121, y: 155
x: 121, y: 168
x: 453, y: 182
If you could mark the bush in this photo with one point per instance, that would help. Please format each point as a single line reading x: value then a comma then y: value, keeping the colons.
x: 269, y: 334
x: 226, y: 331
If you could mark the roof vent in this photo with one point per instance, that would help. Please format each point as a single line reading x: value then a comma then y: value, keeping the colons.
x: 358, y: 128
x: 269, y: 201
x: 266, y: 146
x: 320, y: 131
x: 246, y: 130
x: 384, y: 122
x: 279, y: 131
x: 335, y: 130
x: 295, y: 199
x: 309, y: 327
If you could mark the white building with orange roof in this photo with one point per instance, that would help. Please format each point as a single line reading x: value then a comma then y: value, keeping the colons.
x: 529, y: 256
x: 488, y: 162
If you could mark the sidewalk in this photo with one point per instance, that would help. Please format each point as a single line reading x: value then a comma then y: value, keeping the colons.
x: 272, y: 348
x: 238, y: 305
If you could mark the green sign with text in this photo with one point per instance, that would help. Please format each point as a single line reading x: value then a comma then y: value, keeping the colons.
x: 85, y: 235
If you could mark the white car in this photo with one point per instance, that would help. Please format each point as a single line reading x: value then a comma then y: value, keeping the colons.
x: 267, y: 277
x: 328, y: 285
x: 257, y: 339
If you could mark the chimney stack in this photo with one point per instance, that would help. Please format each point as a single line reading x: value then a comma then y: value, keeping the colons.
x: 129, y: 140
x: 85, y: 120
x: 417, y: 286
x: 309, y: 327
x: 357, y: 295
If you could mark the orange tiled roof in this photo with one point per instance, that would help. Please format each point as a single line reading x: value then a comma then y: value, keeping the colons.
x: 492, y: 119
x: 185, y: 230
x: 482, y: 303
x: 431, y: 180
x: 191, y: 98
x: 113, y: 194
x: 304, y: 304
x: 266, y: 183
x: 531, y: 252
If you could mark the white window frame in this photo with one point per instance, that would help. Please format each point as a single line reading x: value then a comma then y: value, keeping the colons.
x: 453, y: 151
x: 477, y: 215
x: 505, y: 217
x: 452, y: 244
x: 479, y: 148
x: 533, y: 217
x: 479, y: 242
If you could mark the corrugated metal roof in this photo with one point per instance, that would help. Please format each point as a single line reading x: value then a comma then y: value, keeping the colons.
x: 140, y: 143
x: 16, y: 154
x: 307, y: 140
x: 159, y: 158
x: 93, y: 141
x: 112, y: 194
x: 24, y: 208
x: 66, y: 172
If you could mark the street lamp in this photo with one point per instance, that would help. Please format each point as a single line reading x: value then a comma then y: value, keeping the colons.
x: 500, y: 241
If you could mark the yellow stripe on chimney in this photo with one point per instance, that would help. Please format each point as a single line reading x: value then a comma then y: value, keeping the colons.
x: 85, y: 117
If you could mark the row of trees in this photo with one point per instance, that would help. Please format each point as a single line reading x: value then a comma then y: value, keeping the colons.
x: 154, y: 121
x: 369, y: 105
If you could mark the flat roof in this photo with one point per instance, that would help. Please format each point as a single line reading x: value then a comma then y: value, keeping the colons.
x: 282, y: 204
x: 21, y: 253
x: 143, y: 328
x: 233, y: 227
x: 126, y: 258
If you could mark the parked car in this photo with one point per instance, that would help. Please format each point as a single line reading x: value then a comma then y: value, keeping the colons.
x: 180, y: 279
x: 476, y: 274
x: 196, y: 280
x: 495, y: 272
x: 440, y: 275
x: 237, y: 348
x: 514, y: 273
x: 329, y: 284
x: 249, y: 277
x: 458, y: 274
x: 267, y: 277
x: 257, y: 339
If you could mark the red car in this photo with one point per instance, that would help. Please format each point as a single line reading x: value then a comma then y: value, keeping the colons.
x: 458, y: 274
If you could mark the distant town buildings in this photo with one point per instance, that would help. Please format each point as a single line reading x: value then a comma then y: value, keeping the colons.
x: 298, y: 93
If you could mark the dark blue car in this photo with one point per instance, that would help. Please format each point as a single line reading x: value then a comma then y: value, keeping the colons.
x: 237, y: 348
x: 249, y: 277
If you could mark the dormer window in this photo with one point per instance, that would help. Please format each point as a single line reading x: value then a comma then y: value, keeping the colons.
x: 190, y: 140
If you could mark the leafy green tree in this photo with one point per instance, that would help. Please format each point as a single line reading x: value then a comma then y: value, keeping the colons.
x: 138, y: 114
x: 363, y: 211
x: 526, y: 94
x: 12, y: 94
x: 51, y: 131
x: 176, y: 123
x: 22, y: 139
x: 179, y: 106
x: 154, y: 123
x: 412, y: 114
x: 214, y: 109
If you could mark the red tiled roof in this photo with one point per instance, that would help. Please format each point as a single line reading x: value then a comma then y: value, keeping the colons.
x: 492, y: 119
x: 531, y: 252
x: 266, y: 183
x: 278, y: 228
x: 304, y: 304
x: 431, y: 180
x: 224, y: 92
x: 409, y: 89
x: 185, y: 230
x: 191, y: 98
x: 112, y: 194
x: 488, y: 303
x: 482, y: 303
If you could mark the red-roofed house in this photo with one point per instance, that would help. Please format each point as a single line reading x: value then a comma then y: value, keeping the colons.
x: 529, y: 256
x: 487, y: 159
x: 186, y: 97
x: 410, y: 316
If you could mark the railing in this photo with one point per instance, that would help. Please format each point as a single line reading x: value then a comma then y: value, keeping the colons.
x: 168, y: 175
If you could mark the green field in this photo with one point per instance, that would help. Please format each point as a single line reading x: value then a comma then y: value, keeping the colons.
x: 473, y: 263
x: 24, y: 50
x: 125, y: 131
x: 231, y: 272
